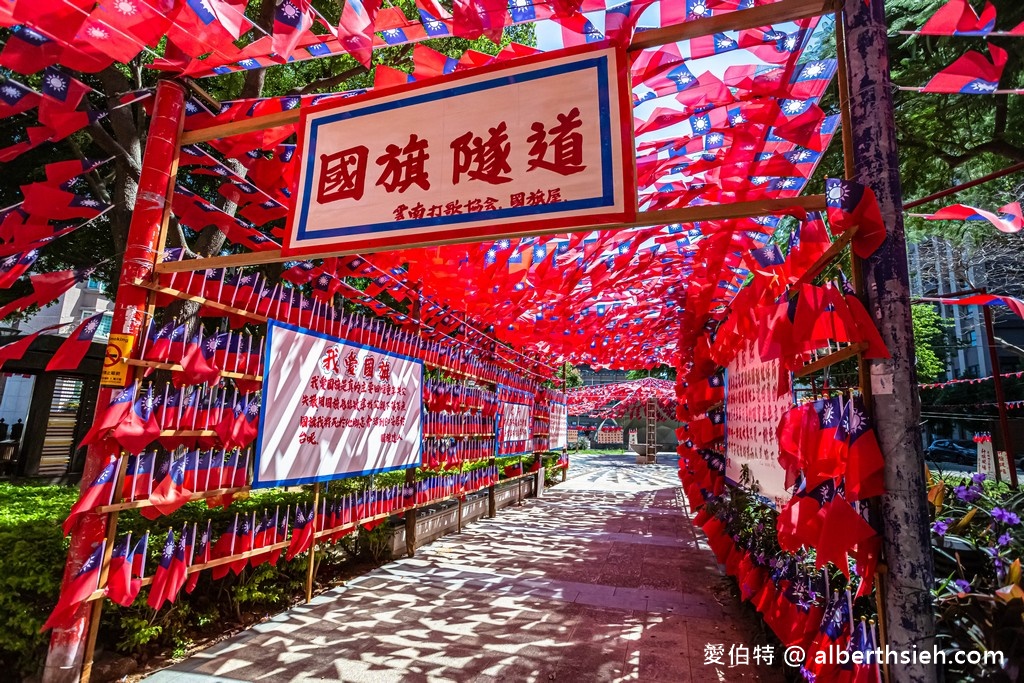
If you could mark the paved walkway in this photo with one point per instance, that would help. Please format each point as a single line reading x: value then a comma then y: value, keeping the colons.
x: 601, y: 579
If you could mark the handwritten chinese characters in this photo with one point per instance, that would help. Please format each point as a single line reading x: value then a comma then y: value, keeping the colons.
x: 754, y: 412
x: 336, y: 409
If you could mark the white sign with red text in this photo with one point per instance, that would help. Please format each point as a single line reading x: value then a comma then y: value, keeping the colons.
x: 334, y: 409
x: 559, y: 426
x: 544, y: 141
x: 754, y: 412
x: 516, y: 422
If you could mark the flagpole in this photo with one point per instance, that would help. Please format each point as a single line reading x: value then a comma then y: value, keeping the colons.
x: 311, y: 568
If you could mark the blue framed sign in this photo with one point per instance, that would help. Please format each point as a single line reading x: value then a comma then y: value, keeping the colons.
x: 334, y: 409
x: 539, y: 143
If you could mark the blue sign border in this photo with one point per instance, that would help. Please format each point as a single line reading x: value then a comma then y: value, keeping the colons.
x: 256, y: 482
x: 606, y: 198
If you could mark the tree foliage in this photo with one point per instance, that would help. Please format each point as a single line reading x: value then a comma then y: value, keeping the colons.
x: 929, y: 334
x: 120, y: 134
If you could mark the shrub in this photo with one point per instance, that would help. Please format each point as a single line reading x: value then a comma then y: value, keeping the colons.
x: 31, y: 566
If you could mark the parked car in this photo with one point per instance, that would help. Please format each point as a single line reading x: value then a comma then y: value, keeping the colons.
x: 948, y: 450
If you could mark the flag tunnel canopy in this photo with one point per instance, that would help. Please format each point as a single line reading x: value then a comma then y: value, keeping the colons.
x: 659, y: 219
x: 621, y: 398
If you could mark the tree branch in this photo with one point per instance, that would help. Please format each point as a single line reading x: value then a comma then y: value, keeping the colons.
x: 328, y: 81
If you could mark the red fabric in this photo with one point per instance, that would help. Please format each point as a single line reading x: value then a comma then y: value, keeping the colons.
x: 841, y: 529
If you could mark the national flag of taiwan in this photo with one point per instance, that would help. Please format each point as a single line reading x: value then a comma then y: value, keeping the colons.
x: 168, y: 344
x: 171, y: 572
x: 201, y: 556
x: 122, y: 587
x: 16, y: 98
x: 170, y: 493
x: 70, y: 354
x: 73, y: 594
x: 45, y: 288
x: 15, y: 265
x: 28, y: 51
x: 971, y: 74
x: 197, y: 365
x: 865, y: 467
x: 225, y: 547
x: 303, y: 529
x: 115, y: 413
x: 958, y: 18
x: 355, y: 29
x: 291, y: 20
x: 100, y: 492
x: 849, y: 204
x: 141, y: 427
x: 243, y: 543
x: 842, y: 528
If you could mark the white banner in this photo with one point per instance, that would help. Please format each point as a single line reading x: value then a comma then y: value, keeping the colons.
x: 334, y: 409
x: 516, y: 422
x: 752, y: 422
x: 559, y: 426
x: 543, y: 141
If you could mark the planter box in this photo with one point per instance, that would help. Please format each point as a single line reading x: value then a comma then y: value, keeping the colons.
x: 433, y: 523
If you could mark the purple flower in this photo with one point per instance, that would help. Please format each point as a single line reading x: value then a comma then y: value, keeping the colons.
x: 962, y: 586
x: 940, y: 527
x: 1005, y: 516
x: 979, y: 477
x: 1004, y: 539
x: 967, y: 495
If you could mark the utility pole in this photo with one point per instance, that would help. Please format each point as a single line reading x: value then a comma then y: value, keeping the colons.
x: 897, y: 407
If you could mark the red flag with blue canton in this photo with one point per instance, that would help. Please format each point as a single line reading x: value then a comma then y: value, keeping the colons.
x: 170, y: 493
x: 86, y: 581
x: 70, y: 354
x: 122, y: 587
x: 141, y: 427
x: 100, y: 492
x: 849, y: 204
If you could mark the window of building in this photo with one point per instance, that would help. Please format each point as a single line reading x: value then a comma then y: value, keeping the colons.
x: 95, y: 285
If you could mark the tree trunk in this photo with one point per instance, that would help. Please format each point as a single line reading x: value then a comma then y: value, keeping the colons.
x: 909, y: 619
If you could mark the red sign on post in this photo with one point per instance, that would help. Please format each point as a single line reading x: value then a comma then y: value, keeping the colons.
x: 543, y: 142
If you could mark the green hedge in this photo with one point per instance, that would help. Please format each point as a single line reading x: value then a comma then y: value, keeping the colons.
x: 31, y: 566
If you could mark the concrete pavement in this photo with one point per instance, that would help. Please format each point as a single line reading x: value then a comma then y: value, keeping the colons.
x: 604, y: 578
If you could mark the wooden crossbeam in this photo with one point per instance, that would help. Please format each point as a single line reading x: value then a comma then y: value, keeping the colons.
x: 176, y: 367
x: 825, y: 259
x: 201, y: 300
x: 755, y: 17
x: 688, y: 214
x: 831, y: 359
x: 145, y: 502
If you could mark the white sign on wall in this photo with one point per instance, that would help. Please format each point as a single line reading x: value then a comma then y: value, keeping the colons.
x: 559, y: 426
x: 334, y: 409
x: 544, y: 141
x: 754, y: 412
x: 516, y: 422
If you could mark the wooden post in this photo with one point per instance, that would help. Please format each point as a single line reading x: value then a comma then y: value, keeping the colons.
x: 65, y: 658
x: 1004, y: 422
x: 492, y: 503
x: 97, y: 605
x: 519, y: 481
x: 410, y: 516
x: 909, y: 619
x: 311, y: 568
